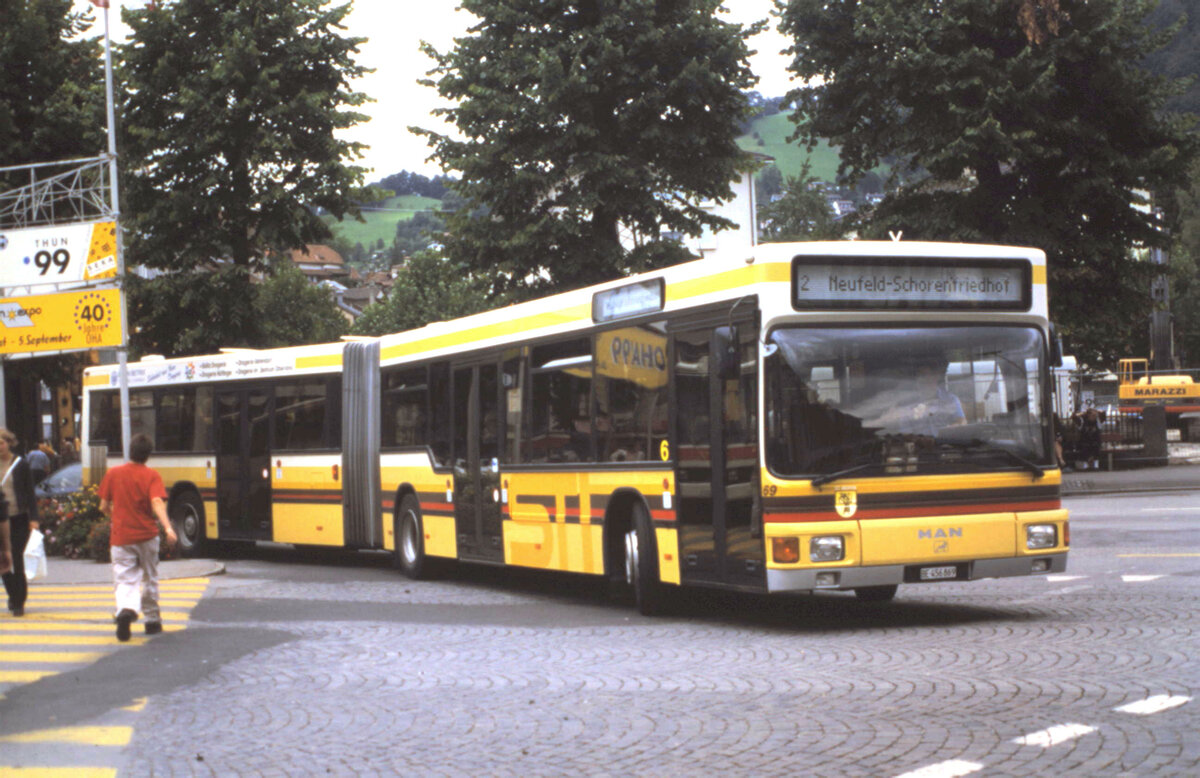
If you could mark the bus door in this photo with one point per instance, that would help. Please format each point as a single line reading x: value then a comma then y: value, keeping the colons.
x: 476, y: 423
x: 244, y: 463
x: 716, y: 433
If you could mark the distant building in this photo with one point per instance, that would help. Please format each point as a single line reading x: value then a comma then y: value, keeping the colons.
x: 319, y: 262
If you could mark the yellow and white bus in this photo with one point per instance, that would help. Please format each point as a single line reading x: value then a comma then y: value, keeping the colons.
x: 801, y: 417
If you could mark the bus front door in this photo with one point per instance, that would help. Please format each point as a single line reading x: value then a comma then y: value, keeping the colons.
x: 477, y: 516
x: 716, y: 432
x: 244, y: 464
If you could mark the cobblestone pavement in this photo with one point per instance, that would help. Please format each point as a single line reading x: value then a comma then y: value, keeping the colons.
x: 507, y: 673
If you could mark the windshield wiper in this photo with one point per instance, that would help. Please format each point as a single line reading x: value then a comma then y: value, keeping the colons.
x: 821, y: 480
x: 981, y: 445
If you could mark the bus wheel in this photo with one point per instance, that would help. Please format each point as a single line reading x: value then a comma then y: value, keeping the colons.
x: 876, y: 593
x: 187, y: 517
x: 410, y: 539
x: 641, y: 565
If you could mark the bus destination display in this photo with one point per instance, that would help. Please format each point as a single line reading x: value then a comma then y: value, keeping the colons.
x: 905, y: 283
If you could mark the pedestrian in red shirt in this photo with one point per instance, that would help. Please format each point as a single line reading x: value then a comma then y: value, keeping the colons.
x: 133, y: 497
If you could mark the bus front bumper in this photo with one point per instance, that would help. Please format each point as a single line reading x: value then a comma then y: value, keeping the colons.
x: 833, y: 578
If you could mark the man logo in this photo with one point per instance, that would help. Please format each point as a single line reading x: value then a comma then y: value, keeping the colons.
x: 845, y: 502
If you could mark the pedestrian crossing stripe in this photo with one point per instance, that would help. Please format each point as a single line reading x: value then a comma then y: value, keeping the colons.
x: 21, y: 625
x: 47, y: 657
x: 59, y: 772
x: 67, y: 627
x: 92, y: 736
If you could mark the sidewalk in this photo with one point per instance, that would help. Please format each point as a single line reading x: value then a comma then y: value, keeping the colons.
x: 1172, y: 477
x: 85, y: 571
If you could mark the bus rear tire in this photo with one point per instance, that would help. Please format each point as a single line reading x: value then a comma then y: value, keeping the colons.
x: 641, y: 564
x: 876, y: 593
x: 409, y: 534
x: 187, y: 518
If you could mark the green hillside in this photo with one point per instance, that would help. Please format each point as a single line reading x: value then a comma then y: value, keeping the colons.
x: 789, y: 157
x: 380, y: 220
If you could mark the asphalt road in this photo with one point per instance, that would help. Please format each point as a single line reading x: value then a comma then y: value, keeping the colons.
x: 302, y: 664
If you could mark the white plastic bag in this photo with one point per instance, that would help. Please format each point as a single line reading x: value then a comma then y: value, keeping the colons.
x: 35, y: 556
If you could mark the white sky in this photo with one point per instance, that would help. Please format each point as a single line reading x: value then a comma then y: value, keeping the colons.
x: 395, y: 28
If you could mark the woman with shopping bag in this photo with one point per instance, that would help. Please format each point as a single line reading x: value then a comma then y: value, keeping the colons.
x: 16, y: 484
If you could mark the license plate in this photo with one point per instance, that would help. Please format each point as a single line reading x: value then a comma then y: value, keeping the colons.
x: 939, y: 573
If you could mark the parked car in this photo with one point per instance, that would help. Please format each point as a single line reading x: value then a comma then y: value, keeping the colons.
x: 60, y: 483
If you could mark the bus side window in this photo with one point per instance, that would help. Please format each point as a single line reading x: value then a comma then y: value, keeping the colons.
x: 439, y: 412
x: 404, y: 408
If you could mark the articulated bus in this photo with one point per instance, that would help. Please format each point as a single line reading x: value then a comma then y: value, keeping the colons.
x: 797, y: 418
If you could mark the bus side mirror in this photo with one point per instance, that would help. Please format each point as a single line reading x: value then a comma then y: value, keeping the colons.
x: 727, y: 352
x: 1056, y: 349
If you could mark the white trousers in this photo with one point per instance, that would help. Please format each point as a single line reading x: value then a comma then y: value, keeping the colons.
x: 135, y: 578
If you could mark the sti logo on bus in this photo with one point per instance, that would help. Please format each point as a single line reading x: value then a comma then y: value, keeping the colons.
x: 933, y: 534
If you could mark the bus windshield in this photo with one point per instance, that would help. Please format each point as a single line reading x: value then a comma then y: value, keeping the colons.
x: 882, y: 401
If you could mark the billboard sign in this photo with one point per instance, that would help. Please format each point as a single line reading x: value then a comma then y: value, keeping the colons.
x: 63, y: 321
x: 64, y: 254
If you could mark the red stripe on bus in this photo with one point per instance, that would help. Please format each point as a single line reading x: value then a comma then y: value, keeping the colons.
x: 906, y: 513
x: 662, y: 515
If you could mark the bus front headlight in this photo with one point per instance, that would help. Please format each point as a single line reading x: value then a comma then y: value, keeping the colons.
x: 1041, y: 536
x: 827, y: 548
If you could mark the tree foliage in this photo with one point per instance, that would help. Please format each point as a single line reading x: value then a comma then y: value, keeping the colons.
x: 800, y: 214
x: 429, y: 288
x: 405, y: 183
x: 576, y: 118
x: 188, y: 312
x: 230, y: 115
x: 1029, y: 121
x: 292, y: 311
x: 1180, y: 57
x: 51, y: 85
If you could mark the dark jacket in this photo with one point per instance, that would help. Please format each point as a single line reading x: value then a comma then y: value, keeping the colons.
x: 22, y: 481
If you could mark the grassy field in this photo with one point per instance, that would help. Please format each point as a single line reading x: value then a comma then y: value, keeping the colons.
x: 381, y: 220
x: 789, y: 157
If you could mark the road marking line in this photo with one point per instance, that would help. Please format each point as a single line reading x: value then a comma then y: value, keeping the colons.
x: 952, y: 768
x: 1139, y: 578
x: 24, y: 676
x: 50, y: 656
x: 1154, y: 556
x: 58, y: 772
x: 1057, y: 578
x: 71, y: 640
x: 1156, y: 704
x: 92, y: 736
x: 1054, y: 735
x: 70, y: 626
x: 137, y: 705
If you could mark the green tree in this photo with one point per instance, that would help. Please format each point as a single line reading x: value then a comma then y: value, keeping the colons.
x: 429, y: 288
x: 1185, y: 273
x: 230, y: 146
x: 293, y: 311
x: 577, y: 118
x: 51, y: 85
x: 1030, y: 120
x: 801, y: 214
x: 767, y: 183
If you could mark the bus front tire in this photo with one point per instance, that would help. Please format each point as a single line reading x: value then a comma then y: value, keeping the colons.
x: 410, y: 540
x: 641, y: 565
x: 187, y: 518
x: 876, y: 593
